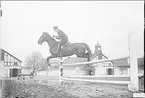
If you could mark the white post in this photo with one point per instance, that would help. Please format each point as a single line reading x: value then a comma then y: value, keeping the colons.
x: 134, y: 85
x: 60, y: 70
x: 1, y: 87
x: 1, y: 77
x: 1, y: 68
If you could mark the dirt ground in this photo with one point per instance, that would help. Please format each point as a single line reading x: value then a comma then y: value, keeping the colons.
x: 69, y: 89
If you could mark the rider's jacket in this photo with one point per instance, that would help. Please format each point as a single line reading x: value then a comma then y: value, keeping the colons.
x: 62, y: 35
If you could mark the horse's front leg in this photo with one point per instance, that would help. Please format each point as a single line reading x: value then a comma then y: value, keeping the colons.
x: 52, y: 56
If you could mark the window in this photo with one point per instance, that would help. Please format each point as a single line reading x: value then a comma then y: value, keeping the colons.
x: 123, y: 71
x: 2, y: 56
x: 15, y: 63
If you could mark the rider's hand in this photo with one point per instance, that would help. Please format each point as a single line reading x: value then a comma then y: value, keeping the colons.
x: 53, y: 36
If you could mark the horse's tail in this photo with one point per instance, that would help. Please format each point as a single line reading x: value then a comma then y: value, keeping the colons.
x: 89, y: 51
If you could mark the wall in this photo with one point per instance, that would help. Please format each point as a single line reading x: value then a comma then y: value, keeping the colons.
x: 42, y: 73
x: 53, y: 72
x: 67, y: 71
x: 73, y: 71
x: 116, y: 71
x: 140, y: 71
x: 25, y: 71
x: 6, y: 72
x: 100, y: 70
x: 123, y: 71
x: 79, y: 72
x: 1, y: 68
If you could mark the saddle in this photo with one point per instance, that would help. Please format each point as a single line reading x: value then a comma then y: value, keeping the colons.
x: 66, y: 44
x: 63, y: 45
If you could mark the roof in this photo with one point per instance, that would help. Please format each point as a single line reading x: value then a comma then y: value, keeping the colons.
x: 124, y: 62
x: 10, y: 54
x: 121, y: 62
x: 104, y: 56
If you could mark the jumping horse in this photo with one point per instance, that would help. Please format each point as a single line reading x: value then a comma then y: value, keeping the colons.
x: 82, y: 50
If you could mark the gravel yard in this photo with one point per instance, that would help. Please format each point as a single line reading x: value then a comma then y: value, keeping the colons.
x: 69, y: 89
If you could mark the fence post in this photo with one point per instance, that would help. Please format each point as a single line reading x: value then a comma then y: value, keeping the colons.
x: 60, y: 70
x: 1, y: 77
x: 134, y: 85
x: 1, y: 87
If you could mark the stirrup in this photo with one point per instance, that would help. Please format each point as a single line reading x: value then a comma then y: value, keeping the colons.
x: 55, y: 52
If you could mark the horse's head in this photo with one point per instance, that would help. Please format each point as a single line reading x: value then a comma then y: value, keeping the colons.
x: 46, y: 37
x: 43, y: 38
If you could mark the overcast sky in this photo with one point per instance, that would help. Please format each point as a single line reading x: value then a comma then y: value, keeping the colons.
x: 108, y: 22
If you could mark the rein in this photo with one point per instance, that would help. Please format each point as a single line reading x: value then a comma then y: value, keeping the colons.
x: 53, y: 45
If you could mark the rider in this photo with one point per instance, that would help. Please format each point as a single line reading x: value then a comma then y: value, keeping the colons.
x: 61, y: 36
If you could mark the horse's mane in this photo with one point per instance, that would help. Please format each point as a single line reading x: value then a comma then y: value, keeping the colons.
x: 51, y: 37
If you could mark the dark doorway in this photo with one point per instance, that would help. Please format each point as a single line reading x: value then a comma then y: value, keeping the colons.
x: 110, y: 71
x: 90, y: 72
x: 14, y: 72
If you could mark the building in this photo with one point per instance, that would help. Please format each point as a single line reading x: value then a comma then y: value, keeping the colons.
x: 105, y: 68
x: 115, y: 67
x: 118, y: 67
x: 10, y: 66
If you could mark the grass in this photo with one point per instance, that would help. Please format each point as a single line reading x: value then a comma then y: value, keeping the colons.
x: 69, y: 89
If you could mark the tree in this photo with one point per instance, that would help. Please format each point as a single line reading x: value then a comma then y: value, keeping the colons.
x: 44, y: 65
x: 35, y: 62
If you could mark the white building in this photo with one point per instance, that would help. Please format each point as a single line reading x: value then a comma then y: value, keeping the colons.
x: 10, y: 66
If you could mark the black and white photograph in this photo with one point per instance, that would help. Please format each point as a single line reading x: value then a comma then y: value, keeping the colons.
x: 72, y: 49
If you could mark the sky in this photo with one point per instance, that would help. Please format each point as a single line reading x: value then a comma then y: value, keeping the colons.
x: 109, y: 22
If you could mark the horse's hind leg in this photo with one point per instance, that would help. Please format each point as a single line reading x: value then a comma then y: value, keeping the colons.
x: 82, y: 55
x: 87, y: 56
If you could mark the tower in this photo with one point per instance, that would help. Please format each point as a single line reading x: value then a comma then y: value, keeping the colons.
x: 98, y: 45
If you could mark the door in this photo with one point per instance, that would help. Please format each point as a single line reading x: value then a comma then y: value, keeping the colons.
x: 13, y: 72
x: 110, y: 71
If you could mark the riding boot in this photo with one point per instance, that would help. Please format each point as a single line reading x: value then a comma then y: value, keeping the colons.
x: 58, y: 49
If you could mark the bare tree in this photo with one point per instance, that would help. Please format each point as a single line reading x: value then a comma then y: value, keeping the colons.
x: 43, y: 64
x: 35, y: 62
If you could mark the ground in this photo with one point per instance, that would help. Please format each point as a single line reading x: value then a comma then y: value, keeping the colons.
x: 68, y: 89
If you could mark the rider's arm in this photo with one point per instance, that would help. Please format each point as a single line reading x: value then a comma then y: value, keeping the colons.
x: 57, y: 37
x: 60, y: 34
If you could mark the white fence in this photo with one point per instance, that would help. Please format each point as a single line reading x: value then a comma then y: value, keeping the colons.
x: 115, y: 79
x: 103, y: 79
x: 133, y: 82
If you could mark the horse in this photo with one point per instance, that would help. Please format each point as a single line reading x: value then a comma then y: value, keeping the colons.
x: 67, y: 50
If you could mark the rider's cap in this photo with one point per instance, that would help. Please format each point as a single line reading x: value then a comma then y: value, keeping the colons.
x: 98, y: 44
x: 55, y: 27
